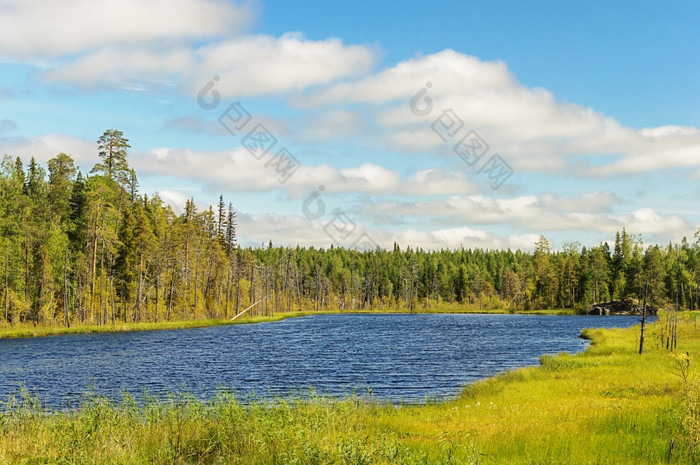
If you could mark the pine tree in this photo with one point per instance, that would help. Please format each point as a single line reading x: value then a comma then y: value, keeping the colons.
x: 231, y: 225
x: 112, y: 147
x: 221, y: 218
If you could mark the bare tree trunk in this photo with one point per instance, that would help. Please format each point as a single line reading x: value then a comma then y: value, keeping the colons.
x: 238, y: 286
x: 288, y: 291
x: 7, y: 282
x: 352, y: 285
x: 172, y: 291
x: 252, y: 282
x: 228, y: 290
x: 111, y: 297
x: 102, y: 320
x: 157, y: 296
x: 318, y: 290
x: 196, y: 278
x: 94, y: 258
x: 644, y: 318
x: 65, y: 290
x: 26, y: 272
x: 139, y: 291
x: 207, y: 289
x: 79, y: 309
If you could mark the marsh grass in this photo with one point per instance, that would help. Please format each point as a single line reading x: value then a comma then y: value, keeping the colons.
x: 23, y: 330
x: 607, y: 405
x: 30, y: 330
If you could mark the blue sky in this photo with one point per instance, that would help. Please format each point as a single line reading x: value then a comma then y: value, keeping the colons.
x: 593, y: 109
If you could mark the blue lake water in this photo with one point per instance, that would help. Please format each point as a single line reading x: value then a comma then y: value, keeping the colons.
x: 396, y: 357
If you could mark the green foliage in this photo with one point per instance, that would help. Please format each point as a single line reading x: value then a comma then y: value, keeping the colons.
x: 91, y: 250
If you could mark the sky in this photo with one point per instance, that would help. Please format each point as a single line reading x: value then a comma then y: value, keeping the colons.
x: 478, y: 124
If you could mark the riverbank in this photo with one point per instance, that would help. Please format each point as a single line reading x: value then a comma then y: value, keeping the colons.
x: 24, y: 330
x: 41, y: 331
x: 605, y: 405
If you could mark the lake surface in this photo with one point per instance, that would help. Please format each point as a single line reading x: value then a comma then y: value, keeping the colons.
x: 396, y: 357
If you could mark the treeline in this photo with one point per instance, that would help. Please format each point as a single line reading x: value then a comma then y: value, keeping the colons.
x: 89, y: 249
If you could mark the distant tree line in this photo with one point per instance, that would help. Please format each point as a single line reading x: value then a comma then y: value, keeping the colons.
x: 78, y: 248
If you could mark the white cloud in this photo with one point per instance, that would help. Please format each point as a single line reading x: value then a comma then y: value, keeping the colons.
x: 36, y: 29
x: 667, y: 147
x: 177, y: 199
x: 527, y: 126
x: 649, y: 221
x: 238, y: 170
x: 331, y: 125
x: 141, y: 45
x: 588, y: 202
x: 45, y: 147
x: 260, y: 65
x: 243, y: 66
x: 447, y: 72
x: 294, y: 230
x: 123, y: 66
x: 467, y: 218
x: 591, y: 212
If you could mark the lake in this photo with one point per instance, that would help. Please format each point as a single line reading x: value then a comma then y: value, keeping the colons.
x: 396, y: 357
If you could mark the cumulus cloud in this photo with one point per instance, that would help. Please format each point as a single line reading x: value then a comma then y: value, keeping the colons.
x: 319, y: 233
x: 455, y: 215
x: 447, y: 72
x: 119, y: 66
x: 186, y: 44
x: 591, y: 212
x: 36, y: 29
x: 238, y: 170
x: 177, y: 198
x: 45, y: 147
x: 331, y: 125
x: 242, y: 66
x: 453, y: 93
x: 260, y: 65
x: 292, y: 230
x: 146, y: 45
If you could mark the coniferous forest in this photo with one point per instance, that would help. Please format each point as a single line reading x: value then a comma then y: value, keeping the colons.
x: 87, y: 248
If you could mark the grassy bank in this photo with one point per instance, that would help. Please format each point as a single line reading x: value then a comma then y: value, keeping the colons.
x: 27, y: 330
x: 606, y: 405
x: 21, y: 330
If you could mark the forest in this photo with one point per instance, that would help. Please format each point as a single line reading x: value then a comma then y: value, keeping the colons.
x: 88, y: 248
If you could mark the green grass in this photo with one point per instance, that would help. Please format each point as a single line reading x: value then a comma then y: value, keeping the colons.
x: 607, y: 405
x: 24, y: 330
x: 28, y: 330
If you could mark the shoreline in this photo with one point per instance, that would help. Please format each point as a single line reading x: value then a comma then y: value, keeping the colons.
x: 605, y: 404
x: 30, y: 331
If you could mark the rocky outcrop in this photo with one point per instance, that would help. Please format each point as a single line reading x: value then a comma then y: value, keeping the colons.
x: 619, y: 307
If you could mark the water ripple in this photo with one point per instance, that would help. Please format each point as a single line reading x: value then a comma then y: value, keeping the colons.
x: 400, y: 357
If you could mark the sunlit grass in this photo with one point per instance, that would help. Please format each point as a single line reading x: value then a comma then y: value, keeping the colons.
x: 25, y: 330
x: 30, y: 330
x: 607, y: 405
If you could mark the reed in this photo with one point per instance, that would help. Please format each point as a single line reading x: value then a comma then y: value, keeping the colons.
x: 605, y: 405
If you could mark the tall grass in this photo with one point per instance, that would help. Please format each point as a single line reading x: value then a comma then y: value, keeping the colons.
x: 607, y: 405
x: 25, y: 330
x: 31, y: 330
